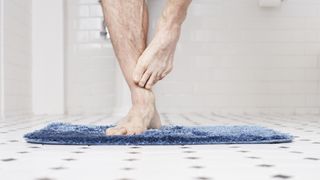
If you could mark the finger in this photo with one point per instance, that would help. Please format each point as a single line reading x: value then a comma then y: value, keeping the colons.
x: 158, y: 77
x: 166, y: 72
x: 151, y: 81
x: 138, y: 72
x: 162, y: 76
x: 144, y: 79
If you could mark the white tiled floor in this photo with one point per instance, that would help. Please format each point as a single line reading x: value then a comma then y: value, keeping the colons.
x: 298, y: 160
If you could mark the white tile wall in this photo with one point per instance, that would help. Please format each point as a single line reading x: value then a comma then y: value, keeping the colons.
x: 1, y: 56
x: 90, y: 63
x: 16, y: 57
x: 232, y: 57
x: 236, y: 57
x: 48, y: 57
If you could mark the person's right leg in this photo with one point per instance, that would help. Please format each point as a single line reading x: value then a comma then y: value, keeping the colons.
x: 127, y: 22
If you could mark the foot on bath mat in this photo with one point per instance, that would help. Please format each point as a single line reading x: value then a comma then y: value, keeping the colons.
x: 68, y: 134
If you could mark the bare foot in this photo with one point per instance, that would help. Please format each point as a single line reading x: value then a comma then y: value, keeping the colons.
x: 142, y: 116
x: 157, y: 60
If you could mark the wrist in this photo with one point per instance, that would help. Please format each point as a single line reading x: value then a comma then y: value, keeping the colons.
x: 170, y: 20
x: 168, y: 26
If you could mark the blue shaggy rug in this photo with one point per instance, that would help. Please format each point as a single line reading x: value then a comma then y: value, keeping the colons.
x: 68, y: 134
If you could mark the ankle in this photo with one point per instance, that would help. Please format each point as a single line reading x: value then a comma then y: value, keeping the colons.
x: 141, y: 96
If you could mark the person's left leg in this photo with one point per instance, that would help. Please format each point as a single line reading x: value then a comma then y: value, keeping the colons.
x: 127, y: 22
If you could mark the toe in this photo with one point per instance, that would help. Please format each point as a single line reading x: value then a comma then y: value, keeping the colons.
x: 116, y: 131
x: 110, y: 131
x: 135, y: 129
x: 131, y: 133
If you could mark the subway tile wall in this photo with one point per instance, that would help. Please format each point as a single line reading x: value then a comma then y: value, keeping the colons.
x: 1, y: 55
x: 233, y: 57
x: 17, y: 57
x: 90, y: 62
x: 237, y: 57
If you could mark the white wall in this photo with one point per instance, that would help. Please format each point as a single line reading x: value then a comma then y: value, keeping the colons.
x: 232, y: 57
x: 1, y: 57
x: 90, y: 63
x: 236, y: 57
x: 48, y: 56
x: 16, y: 57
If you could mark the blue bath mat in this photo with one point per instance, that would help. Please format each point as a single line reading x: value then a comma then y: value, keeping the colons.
x: 68, y: 134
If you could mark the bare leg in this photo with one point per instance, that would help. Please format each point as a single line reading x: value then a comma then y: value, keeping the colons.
x: 156, y: 61
x: 127, y: 22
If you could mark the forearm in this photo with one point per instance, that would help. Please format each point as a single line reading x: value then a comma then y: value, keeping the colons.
x: 156, y: 61
x: 174, y: 14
